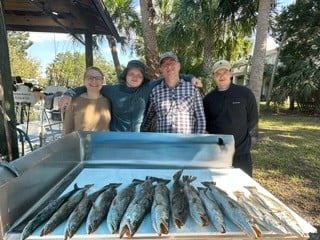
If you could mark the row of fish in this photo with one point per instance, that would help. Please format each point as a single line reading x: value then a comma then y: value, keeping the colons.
x: 125, y: 210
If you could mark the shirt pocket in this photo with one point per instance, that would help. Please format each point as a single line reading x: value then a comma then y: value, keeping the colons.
x: 185, y: 103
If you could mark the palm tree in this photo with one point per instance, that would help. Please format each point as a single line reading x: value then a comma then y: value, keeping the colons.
x: 259, y: 51
x: 149, y: 36
x: 201, y: 32
x: 127, y: 22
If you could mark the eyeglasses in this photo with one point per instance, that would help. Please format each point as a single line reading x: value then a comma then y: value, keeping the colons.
x: 92, y: 78
x: 168, y: 64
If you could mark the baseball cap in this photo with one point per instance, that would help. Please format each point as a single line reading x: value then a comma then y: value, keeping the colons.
x: 134, y: 64
x: 222, y: 64
x: 168, y: 55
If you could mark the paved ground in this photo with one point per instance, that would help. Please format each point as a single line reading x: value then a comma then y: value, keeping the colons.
x: 49, y: 130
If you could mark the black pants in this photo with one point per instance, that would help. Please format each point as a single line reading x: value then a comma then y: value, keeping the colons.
x: 243, y: 162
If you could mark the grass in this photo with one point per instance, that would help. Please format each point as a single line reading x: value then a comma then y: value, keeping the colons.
x: 286, y: 159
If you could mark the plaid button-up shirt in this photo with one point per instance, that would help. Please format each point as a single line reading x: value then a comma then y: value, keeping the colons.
x: 175, y: 110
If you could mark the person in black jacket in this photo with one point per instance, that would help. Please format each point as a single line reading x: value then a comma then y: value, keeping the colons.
x: 231, y: 109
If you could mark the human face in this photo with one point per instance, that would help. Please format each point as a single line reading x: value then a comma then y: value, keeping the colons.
x: 222, y: 78
x: 93, y: 80
x: 169, y: 67
x: 134, y: 77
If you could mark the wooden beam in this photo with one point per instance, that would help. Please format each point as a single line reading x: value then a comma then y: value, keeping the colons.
x: 27, y: 5
x: 6, y: 82
x: 89, y: 51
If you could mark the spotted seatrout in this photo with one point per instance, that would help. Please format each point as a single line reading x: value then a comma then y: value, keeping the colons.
x: 100, y: 208
x: 179, y: 201
x: 277, y: 209
x: 263, y: 217
x: 160, y: 208
x: 196, y: 207
x: 119, y: 205
x: 81, y: 211
x: 137, y: 209
x: 213, y: 210
x: 46, y: 213
x: 235, y: 212
x: 64, y: 211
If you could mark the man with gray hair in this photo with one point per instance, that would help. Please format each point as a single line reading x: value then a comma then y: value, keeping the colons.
x: 175, y: 104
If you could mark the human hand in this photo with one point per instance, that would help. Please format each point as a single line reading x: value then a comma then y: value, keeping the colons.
x: 64, y: 103
x: 196, y: 82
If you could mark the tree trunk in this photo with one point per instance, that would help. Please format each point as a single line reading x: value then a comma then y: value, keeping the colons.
x: 268, y: 97
x: 291, y: 103
x: 149, y: 37
x: 114, y: 53
x: 259, y: 52
x: 208, y: 55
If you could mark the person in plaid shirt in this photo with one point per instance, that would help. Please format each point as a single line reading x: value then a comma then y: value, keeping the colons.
x: 175, y: 105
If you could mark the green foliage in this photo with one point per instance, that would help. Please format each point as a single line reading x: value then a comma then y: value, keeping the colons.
x: 21, y: 64
x: 19, y: 41
x: 125, y: 19
x: 300, y: 53
x: 68, y: 69
x: 198, y: 34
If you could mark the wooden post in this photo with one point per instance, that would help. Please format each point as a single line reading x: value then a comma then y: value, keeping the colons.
x: 89, y: 51
x: 8, y: 102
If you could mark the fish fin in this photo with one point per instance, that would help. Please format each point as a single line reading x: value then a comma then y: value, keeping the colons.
x: 238, y: 194
x: 137, y: 181
x: 202, y: 189
x: 208, y: 183
x: 252, y: 189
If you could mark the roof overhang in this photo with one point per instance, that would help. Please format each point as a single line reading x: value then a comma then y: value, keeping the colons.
x: 60, y: 16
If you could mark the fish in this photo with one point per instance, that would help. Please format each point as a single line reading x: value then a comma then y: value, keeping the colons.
x: 277, y: 209
x: 63, y: 212
x: 46, y: 212
x: 119, y: 205
x: 81, y: 211
x: 160, y: 209
x: 235, y: 212
x: 213, y: 210
x: 263, y: 217
x: 100, y: 208
x: 196, y: 207
x: 137, y: 209
x: 179, y: 201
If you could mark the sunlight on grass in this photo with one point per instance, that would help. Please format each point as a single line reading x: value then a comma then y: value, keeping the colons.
x: 286, y: 158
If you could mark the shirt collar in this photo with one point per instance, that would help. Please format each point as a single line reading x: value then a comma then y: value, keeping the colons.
x: 164, y: 85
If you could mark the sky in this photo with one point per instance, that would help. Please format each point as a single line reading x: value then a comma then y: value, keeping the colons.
x: 47, y: 45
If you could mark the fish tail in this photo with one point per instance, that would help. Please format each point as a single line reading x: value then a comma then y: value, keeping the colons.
x: 177, y: 175
x: 188, y: 179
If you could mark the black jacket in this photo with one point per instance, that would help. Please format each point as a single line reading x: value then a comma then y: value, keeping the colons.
x: 233, y: 111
